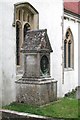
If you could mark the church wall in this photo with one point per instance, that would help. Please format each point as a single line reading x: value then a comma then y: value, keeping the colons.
x: 52, y: 20
x: 79, y: 54
x: 8, y: 53
x: 71, y: 76
x: 49, y: 18
x: 78, y: 89
x: 50, y: 13
x: 0, y: 59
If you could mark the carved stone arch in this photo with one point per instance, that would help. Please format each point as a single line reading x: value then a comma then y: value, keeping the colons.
x: 19, y: 23
x: 27, y: 24
x: 71, y: 39
x: 69, y: 31
x: 26, y: 28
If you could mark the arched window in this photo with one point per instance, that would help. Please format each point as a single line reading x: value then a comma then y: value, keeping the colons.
x: 18, y: 32
x: 65, y: 53
x: 69, y: 53
x: 25, y: 18
x: 68, y: 50
x: 26, y: 28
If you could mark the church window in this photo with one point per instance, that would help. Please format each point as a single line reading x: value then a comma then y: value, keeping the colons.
x: 68, y: 50
x: 25, y: 18
x: 18, y: 32
x: 26, y: 28
x: 69, y: 54
x: 17, y: 44
x: 65, y: 54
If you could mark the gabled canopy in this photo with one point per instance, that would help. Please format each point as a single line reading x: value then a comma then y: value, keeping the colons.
x: 36, y: 41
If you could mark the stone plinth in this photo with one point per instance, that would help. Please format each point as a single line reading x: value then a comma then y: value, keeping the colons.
x: 36, y: 92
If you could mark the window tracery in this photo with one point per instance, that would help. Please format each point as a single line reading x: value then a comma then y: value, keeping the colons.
x: 68, y: 50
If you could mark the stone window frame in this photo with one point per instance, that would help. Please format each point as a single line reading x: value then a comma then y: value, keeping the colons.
x: 34, y: 25
x: 69, y: 50
x: 31, y: 8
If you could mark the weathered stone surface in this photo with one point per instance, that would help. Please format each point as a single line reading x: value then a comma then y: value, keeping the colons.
x: 36, y: 41
x: 37, y: 92
x: 78, y: 92
x: 36, y: 87
x: 31, y: 66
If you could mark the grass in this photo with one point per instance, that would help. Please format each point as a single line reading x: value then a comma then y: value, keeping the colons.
x: 63, y: 108
x: 79, y: 108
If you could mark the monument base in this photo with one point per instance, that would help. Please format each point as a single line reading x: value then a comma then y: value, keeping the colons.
x: 37, y: 91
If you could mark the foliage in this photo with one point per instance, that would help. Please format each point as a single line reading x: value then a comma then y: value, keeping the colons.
x: 71, y: 94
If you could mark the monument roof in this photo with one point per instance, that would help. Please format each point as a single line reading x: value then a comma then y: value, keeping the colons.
x: 36, y: 40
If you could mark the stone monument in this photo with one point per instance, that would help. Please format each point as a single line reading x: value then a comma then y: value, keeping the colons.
x: 36, y: 86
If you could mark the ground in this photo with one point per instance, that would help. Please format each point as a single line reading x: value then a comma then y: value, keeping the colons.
x: 63, y: 108
x: 67, y: 107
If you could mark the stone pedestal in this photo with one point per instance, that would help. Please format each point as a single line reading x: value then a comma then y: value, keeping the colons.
x: 36, y: 92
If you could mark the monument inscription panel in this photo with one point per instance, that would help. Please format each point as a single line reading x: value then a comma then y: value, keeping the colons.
x: 31, y: 65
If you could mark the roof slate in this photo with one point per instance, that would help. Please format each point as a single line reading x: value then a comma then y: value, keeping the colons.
x: 73, y: 7
x: 36, y: 41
